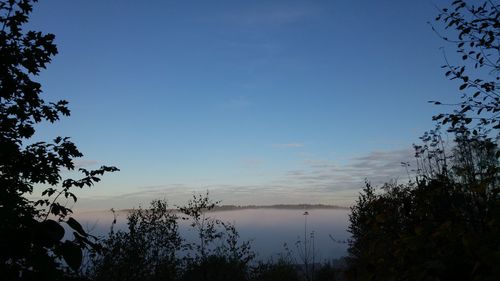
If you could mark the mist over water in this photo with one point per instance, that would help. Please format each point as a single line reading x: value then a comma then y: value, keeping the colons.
x: 267, y: 228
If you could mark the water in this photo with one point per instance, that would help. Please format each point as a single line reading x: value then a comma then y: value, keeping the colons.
x: 267, y: 228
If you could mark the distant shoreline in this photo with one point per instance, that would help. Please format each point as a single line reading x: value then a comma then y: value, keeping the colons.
x: 279, y: 206
x: 253, y: 207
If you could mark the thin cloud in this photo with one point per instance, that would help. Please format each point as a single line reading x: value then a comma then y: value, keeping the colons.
x: 288, y: 145
x: 318, y: 181
x: 273, y: 16
x: 377, y: 167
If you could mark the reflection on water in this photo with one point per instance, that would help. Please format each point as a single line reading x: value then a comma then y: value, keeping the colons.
x: 268, y: 228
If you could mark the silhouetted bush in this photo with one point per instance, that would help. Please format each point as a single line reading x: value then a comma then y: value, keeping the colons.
x: 152, y: 249
x: 328, y: 273
x: 147, y: 251
x: 215, y: 268
x: 282, y: 270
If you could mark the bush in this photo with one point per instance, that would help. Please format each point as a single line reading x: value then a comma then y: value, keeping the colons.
x: 282, y: 270
x: 152, y: 248
x: 444, y: 227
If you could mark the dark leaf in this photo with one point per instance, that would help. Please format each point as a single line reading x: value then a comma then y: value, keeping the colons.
x: 76, y: 226
x: 72, y: 254
x: 51, y: 232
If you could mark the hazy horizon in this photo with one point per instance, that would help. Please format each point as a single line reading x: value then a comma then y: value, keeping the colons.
x: 267, y: 228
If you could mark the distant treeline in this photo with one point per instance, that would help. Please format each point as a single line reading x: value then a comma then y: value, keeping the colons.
x: 279, y: 206
x: 275, y: 206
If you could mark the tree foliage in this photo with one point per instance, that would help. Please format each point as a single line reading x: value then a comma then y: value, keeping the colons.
x: 146, y: 251
x: 474, y: 28
x: 153, y: 249
x: 444, y: 224
x: 436, y: 230
x: 31, y: 232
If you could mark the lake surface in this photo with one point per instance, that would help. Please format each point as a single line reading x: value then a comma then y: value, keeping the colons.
x: 267, y: 228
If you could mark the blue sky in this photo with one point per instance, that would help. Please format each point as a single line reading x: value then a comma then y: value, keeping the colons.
x: 260, y: 102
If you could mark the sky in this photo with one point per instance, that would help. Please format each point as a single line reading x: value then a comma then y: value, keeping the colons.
x: 259, y: 102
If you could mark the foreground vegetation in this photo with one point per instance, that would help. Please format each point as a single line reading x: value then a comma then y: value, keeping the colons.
x: 151, y: 248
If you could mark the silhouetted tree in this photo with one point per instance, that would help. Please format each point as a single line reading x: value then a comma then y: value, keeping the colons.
x: 445, y: 224
x: 152, y: 248
x: 31, y: 245
x: 218, y: 253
